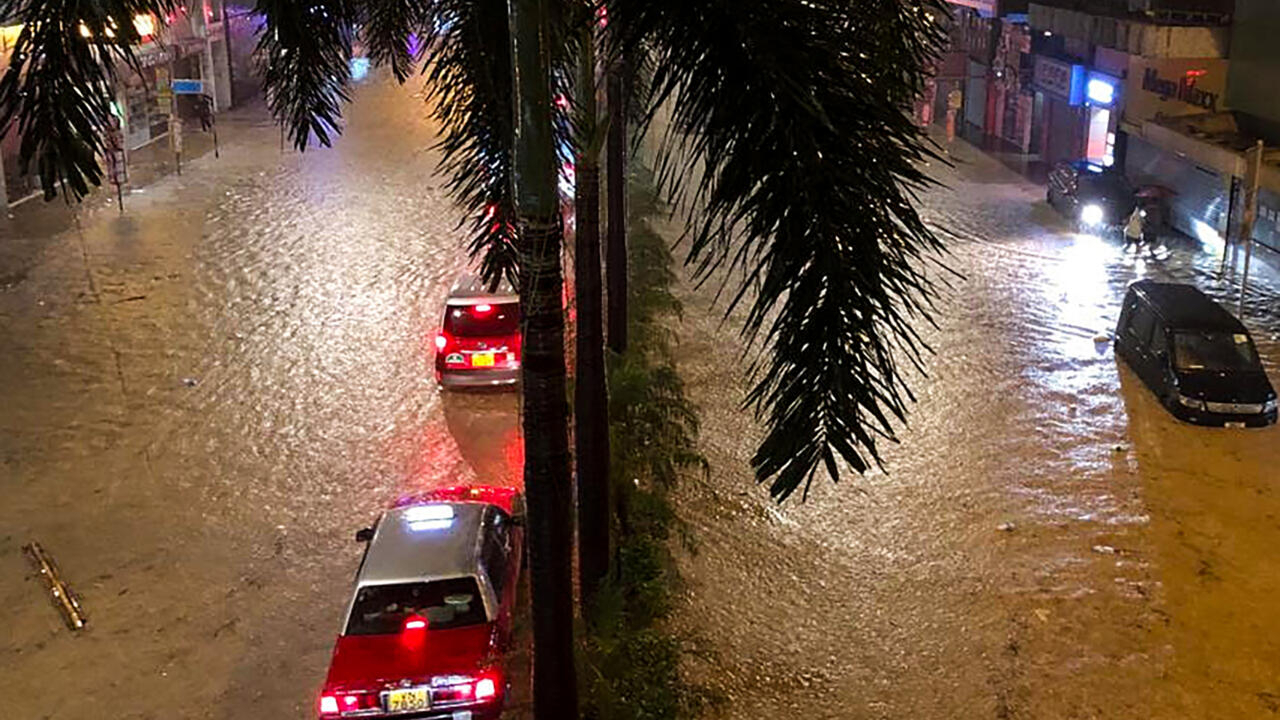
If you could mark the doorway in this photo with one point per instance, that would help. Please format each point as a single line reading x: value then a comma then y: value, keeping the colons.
x: 1100, y: 147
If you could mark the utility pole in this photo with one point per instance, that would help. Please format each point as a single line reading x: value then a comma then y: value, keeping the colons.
x: 1250, y: 215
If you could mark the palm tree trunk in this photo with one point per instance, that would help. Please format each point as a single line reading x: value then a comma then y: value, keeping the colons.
x: 549, y: 495
x: 590, y: 398
x: 616, y: 163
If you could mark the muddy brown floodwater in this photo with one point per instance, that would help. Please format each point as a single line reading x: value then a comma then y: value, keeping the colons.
x: 204, y: 398
x: 1047, y: 541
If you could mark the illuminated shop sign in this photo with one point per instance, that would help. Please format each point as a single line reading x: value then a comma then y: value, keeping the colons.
x: 1182, y: 88
x: 1059, y: 78
x: 1101, y: 89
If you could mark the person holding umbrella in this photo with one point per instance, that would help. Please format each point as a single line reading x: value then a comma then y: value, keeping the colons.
x: 1153, y: 198
x: 1134, y: 229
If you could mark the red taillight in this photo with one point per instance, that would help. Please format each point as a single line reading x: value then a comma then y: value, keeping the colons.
x: 341, y: 703
x: 465, y: 689
x: 415, y: 622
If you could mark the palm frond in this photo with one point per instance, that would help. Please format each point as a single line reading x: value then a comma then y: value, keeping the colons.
x: 396, y: 32
x: 60, y: 84
x: 794, y: 114
x: 305, y: 53
x: 468, y: 70
x: 469, y: 81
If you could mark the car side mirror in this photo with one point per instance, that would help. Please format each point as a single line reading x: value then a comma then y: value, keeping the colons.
x: 518, y: 511
x: 364, y: 535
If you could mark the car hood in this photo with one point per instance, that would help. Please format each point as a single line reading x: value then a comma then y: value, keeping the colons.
x: 1234, y: 387
x: 370, y: 662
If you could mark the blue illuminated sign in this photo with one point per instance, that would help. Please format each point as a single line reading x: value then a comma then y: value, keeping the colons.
x: 187, y: 87
x: 1100, y: 89
x: 1076, y: 96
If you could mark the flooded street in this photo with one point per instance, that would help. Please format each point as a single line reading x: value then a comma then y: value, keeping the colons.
x: 205, y: 397
x: 1048, y: 542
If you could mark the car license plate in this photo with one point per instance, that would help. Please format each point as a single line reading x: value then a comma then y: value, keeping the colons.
x: 407, y: 700
x: 482, y: 360
x: 1234, y: 425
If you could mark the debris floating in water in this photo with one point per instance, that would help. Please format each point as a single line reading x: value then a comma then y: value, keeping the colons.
x: 61, y: 595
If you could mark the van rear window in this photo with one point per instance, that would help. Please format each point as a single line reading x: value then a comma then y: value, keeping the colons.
x: 500, y: 319
x: 1217, y: 351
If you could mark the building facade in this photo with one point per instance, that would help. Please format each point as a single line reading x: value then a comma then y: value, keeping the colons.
x: 1088, y: 54
x: 979, y: 82
x: 1120, y: 76
x: 199, y: 43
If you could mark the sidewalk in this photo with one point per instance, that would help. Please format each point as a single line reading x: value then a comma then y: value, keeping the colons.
x: 147, y: 165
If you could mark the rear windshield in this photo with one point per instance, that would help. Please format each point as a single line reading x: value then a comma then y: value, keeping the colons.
x: 482, y: 320
x: 445, y: 604
x: 1214, y: 351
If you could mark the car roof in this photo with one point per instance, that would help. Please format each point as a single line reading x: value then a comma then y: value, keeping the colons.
x: 1090, y: 167
x: 470, y: 289
x: 1185, y: 307
x: 399, y: 552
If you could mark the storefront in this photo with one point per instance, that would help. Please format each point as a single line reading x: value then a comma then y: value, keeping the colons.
x: 145, y: 95
x: 146, y: 118
x: 1266, y: 229
x: 1202, y: 177
x: 14, y: 185
x: 1009, y: 92
x: 1075, y: 112
x: 975, y: 96
x: 1101, y: 92
x: 1057, y: 123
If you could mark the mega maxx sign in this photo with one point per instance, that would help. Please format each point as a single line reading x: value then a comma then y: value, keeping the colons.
x: 1171, y: 87
x: 1183, y: 88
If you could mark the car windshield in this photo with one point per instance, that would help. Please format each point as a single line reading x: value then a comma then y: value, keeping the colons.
x: 482, y: 320
x: 444, y: 604
x: 1106, y: 185
x: 1214, y: 351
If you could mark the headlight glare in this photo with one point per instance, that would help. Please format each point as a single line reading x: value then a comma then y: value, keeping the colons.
x: 1194, y: 403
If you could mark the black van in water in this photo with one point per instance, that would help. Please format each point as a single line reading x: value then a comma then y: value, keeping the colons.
x: 1194, y: 355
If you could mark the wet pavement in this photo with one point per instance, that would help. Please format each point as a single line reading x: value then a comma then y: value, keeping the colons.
x: 203, y: 398
x: 206, y: 396
x: 1047, y: 541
